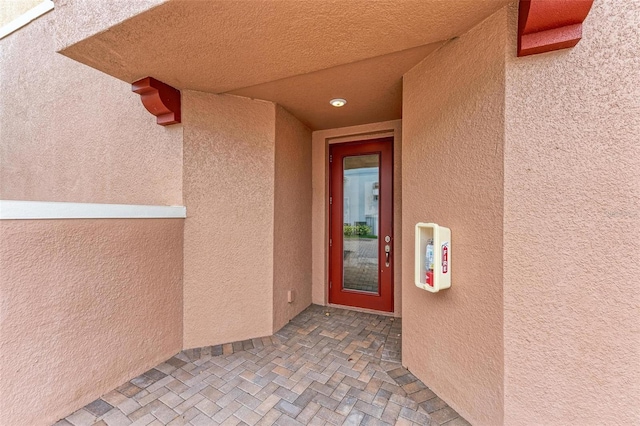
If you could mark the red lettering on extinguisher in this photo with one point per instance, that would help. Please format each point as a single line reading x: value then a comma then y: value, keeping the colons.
x: 445, y: 258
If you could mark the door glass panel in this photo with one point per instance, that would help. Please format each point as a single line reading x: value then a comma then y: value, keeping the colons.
x: 360, y: 224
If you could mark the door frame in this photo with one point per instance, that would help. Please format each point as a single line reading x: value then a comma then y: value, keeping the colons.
x: 388, y: 305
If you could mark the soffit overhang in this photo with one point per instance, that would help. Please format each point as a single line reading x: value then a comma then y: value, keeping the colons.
x: 297, y: 53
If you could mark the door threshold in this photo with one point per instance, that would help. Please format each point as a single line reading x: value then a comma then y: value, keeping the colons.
x: 364, y: 310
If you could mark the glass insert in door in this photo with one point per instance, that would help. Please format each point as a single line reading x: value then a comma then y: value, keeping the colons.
x: 361, y: 189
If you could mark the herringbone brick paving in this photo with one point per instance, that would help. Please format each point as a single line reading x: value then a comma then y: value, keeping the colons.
x: 328, y: 366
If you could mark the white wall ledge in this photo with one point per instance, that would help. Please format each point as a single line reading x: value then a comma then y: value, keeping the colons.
x: 25, y: 18
x: 33, y: 210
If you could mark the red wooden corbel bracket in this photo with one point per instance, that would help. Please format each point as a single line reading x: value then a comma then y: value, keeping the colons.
x: 547, y: 25
x: 159, y: 99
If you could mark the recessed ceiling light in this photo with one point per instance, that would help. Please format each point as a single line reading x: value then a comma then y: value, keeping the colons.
x: 338, y: 102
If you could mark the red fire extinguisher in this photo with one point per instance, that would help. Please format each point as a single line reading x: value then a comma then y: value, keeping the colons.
x: 429, y: 278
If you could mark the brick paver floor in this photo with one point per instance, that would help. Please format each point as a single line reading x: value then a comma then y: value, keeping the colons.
x: 328, y: 366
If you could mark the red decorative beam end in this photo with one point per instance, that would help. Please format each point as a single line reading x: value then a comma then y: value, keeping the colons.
x: 159, y: 99
x: 547, y: 25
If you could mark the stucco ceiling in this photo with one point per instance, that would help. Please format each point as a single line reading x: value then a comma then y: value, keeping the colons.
x: 372, y: 88
x: 299, y: 53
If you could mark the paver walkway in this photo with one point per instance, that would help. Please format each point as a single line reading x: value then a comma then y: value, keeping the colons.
x: 327, y: 366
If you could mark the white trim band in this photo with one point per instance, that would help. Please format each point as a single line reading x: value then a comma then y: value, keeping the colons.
x: 25, y: 18
x: 11, y: 209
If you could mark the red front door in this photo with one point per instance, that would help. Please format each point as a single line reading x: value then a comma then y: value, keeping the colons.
x: 361, y: 224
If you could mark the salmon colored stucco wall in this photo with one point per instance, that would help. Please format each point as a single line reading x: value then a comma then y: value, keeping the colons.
x: 292, y: 218
x: 572, y: 227
x: 70, y: 133
x: 452, y: 174
x: 320, y: 207
x: 229, y: 151
x: 85, y: 305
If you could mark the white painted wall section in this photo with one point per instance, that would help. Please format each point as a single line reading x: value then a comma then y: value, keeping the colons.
x: 12, y: 209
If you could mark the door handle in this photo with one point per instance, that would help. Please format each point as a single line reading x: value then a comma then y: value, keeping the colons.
x: 387, y: 250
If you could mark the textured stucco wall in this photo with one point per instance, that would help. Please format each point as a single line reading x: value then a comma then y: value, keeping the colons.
x: 85, y: 305
x: 452, y: 174
x: 320, y: 208
x: 229, y: 151
x: 572, y: 227
x: 292, y: 218
x: 70, y: 133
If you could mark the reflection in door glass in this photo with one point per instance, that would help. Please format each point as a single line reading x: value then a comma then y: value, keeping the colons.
x: 361, y: 183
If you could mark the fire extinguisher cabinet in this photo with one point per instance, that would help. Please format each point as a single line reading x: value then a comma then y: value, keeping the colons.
x: 439, y: 277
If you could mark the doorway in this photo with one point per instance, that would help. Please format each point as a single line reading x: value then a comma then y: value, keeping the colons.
x: 361, y: 224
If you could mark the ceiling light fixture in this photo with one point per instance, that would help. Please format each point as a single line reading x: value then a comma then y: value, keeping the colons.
x: 338, y: 102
